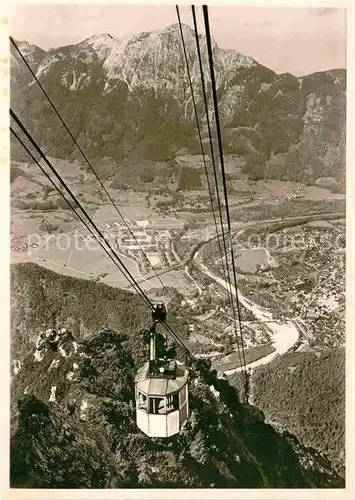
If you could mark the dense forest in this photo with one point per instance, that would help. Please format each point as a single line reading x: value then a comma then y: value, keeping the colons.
x: 42, y: 299
x: 305, y: 393
x: 87, y: 436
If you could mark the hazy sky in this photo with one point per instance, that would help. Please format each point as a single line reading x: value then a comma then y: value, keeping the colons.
x: 294, y: 39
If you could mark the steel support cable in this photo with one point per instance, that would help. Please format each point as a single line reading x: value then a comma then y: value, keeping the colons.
x: 200, y: 138
x: 227, y: 275
x: 73, y: 208
x: 131, y: 278
x: 94, y: 172
x: 41, y: 153
x: 180, y: 341
x: 208, y: 122
x: 199, y: 133
x: 228, y: 278
x: 219, y: 136
x: 140, y: 292
x: 212, y: 154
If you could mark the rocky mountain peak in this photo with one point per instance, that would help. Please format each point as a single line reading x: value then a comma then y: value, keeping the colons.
x: 133, y: 90
x: 28, y: 48
x: 33, y: 54
x: 188, y: 33
x: 99, y: 37
x: 61, y: 341
x: 102, y: 44
x: 175, y: 27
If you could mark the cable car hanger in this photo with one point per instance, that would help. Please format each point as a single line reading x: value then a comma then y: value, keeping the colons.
x: 158, y: 354
x: 161, y: 384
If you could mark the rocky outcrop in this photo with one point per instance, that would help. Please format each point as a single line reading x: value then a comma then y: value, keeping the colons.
x: 73, y: 426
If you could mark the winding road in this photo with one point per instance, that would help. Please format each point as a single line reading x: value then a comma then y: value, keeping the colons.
x: 285, y: 334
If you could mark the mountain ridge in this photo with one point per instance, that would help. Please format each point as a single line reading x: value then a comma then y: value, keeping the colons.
x: 97, y: 37
x: 132, y: 101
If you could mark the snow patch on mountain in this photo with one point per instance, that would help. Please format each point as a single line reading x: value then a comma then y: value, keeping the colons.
x: 74, y: 82
x: 48, y: 61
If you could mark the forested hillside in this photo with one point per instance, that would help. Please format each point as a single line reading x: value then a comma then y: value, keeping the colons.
x: 42, y: 299
x: 305, y: 393
x: 73, y: 412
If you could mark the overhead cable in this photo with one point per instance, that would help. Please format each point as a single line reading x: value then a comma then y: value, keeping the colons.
x: 226, y: 271
x: 226, y: 274
x: 220, y: 145
x: 93, y: 171
x: 200, y: 135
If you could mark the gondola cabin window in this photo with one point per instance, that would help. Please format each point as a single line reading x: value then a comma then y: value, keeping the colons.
x: 183, y: 396
x: 172, y: 403
x: 157, y: 405
x: 142, y: 401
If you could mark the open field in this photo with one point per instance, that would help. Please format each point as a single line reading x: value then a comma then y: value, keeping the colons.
x: 233, y: 361
x: 249, y: 260
x: 172, y: 279
x: 74, y: 254
x: 31, y: 190
x: 130, y: 204
x: 84, y: 263
x: 168, y: 227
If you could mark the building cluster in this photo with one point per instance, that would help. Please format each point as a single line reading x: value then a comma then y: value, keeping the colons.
x: 22, y: 243
x: 308, y: 283
x: 325, y: 311
x: 148, y: 242
x: 19, y: 243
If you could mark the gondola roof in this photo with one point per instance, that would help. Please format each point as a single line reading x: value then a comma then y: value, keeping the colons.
x: 170, y: 381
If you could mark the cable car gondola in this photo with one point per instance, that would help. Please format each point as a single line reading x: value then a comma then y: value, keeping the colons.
x: 161, y: 387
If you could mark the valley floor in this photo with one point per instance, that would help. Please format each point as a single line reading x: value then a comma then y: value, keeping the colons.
x: 156, y: 245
